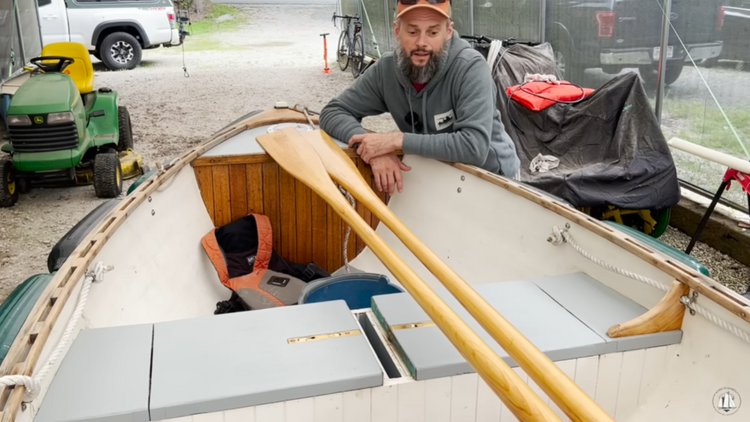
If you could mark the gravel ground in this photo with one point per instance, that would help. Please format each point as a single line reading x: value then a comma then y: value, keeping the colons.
x: 229, y: 75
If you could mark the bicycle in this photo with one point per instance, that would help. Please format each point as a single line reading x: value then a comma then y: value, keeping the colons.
x: 350, y: 48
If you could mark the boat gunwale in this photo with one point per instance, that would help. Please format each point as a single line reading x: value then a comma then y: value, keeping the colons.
x: 26, y: 349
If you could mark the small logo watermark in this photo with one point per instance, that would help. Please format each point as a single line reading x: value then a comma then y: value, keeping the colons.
x: 727, y: 401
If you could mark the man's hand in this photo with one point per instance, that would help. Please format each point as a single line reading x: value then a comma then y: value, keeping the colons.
x: 387, y: 171
x: 373, y: 145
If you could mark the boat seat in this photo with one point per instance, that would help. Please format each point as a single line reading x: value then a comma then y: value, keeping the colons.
x: 566, y: 317
x: 81, y: 71
x: 209, y: 364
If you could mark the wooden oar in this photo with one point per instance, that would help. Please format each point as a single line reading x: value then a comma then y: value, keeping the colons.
x: 571, y: 399
x: 298, y: 158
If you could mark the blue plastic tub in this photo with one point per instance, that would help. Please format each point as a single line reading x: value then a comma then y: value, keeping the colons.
x: 356, y: 289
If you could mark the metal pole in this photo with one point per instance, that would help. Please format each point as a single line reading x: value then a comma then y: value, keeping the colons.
x: 542, y: 20
x: 665, y: 29
x: 21, y: 42
x: 471, y: 16
x: 388, y: 24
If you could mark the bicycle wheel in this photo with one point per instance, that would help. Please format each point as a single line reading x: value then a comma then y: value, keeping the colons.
x: 343, y: 50
x: 358, y: 54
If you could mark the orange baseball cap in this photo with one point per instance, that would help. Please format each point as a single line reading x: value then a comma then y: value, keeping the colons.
x: 441, y: 6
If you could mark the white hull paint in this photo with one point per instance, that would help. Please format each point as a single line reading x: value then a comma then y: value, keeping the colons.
x: 620, y: 382
x: 486, y: 234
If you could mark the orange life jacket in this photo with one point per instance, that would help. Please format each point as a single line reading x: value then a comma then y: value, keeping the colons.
x: 539, y: 95
x: 243, y: 256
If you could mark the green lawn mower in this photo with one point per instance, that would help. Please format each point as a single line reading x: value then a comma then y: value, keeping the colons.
x: 63, y: 132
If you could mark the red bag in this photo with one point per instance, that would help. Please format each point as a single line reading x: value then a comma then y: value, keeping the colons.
x: 539, y: 95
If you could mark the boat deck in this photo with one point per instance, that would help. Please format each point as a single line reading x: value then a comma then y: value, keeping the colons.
x: 151, y: 372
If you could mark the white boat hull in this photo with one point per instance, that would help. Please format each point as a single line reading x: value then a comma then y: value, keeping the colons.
x: 487, y: 231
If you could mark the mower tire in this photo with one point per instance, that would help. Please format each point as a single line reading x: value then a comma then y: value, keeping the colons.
x: 8, y: 190
x: 107, y: 175
x: 126, y: 131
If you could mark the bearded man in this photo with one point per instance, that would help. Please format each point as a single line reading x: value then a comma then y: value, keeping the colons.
x: 438, y: 90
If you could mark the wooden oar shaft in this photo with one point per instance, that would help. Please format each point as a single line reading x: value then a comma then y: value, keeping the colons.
x: 571, y: 399
x: 300, y: 160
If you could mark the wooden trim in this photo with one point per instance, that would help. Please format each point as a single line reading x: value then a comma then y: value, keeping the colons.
x: 257, y: 158
x: 665, y: 316
x: 718, y: 293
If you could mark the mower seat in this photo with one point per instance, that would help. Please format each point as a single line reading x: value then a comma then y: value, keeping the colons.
x: 81, y: 70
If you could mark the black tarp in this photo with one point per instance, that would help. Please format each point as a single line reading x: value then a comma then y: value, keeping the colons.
x: 610, y: 145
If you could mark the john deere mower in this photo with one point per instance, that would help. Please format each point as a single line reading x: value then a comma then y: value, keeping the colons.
x: 63, y: 132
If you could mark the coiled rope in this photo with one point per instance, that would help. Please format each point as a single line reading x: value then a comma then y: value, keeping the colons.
x: 563, y: 236
x: 33, y: 384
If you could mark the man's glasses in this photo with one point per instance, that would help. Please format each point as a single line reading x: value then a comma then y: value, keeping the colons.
x: 412, y: 2
x: 417, y: 123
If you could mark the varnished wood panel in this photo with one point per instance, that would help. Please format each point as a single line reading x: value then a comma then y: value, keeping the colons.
x: 205, y: 178
x: 288, y: 224
x: 237, y: 189
x: 222, y: 201
x: 269, y: 196
x: 305, y: 228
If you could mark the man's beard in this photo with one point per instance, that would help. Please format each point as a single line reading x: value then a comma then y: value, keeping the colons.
x: 421, y: 74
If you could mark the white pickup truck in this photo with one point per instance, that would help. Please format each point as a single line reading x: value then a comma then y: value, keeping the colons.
x: 114, y: 31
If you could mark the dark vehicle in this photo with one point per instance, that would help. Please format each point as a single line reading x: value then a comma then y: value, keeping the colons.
x: 618, y: 34
x: 736, y: 32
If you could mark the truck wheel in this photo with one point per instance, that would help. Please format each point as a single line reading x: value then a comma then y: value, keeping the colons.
x: 8, y: 191
x: 648, y: 74
x: 126, y: 132
x: 120, y: 50
x: 107, y: 175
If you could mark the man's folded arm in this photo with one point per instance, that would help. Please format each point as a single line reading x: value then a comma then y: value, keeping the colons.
x: 342, y: 116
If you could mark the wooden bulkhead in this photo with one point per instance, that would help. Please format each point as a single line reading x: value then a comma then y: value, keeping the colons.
x: 305, y: 227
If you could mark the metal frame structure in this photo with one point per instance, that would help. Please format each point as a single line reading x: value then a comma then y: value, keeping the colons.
x: 18, y: 32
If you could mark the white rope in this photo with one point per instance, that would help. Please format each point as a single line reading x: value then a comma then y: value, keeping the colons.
x: 716, y: 320
x: 348, y: 228
x: 563, y: 236
x: 33, y: 384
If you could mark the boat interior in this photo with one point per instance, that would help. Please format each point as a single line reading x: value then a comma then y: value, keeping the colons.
x: 150, y: 347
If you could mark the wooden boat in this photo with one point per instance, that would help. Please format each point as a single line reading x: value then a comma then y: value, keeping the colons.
x: 514, y: 305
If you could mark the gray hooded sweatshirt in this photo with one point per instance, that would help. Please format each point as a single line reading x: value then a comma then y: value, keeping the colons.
x: 460, y: 122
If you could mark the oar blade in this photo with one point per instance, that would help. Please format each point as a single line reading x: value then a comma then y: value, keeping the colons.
x: 342, y: 169
x: 335, y: 160
x: 298, y: 158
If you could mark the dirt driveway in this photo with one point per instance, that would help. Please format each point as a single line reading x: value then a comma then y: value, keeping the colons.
x: 276, y: 54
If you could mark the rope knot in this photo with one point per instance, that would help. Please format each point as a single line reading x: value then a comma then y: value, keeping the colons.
x: 30, y: 384
x: 97, y: 275
x: 559, y: 236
